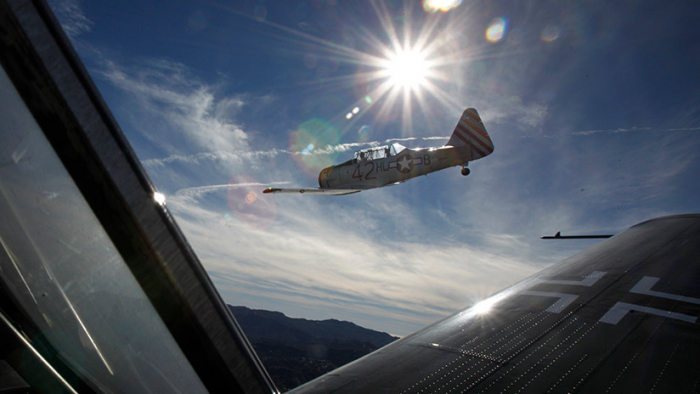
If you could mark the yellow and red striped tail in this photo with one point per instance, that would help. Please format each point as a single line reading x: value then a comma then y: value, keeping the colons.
x: 470, y: 131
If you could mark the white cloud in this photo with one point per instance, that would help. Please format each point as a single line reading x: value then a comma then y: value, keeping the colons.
x: 227, y: 157
x: 175, y: 110
x: 237, y: 156
x: 532, y: 115
x: 331, y: 261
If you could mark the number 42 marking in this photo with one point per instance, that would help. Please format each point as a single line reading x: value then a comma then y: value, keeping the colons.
x: 358, y: 175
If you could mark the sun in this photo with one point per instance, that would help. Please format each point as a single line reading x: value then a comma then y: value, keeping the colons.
x: 406, y: 66
x: 406, y: 75
x: 407, y: 69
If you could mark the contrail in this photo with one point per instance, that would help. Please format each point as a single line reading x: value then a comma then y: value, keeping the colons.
x: 238, y: 156
x: 632, y: 129
x: 417, y: 139
x: 611, y: 131
x: 199, y: 191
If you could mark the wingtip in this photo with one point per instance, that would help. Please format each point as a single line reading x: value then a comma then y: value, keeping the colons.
x: 268, y: 190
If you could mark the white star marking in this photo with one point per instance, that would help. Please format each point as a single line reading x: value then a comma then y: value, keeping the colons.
x: 404, y: 163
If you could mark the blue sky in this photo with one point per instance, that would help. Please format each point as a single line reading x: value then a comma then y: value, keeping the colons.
x: 594, y: 110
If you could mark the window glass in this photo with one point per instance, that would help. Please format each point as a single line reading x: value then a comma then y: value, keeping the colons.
x: 396, y: 148
x: 67, y: 275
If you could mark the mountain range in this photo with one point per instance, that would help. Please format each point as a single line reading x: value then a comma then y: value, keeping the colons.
x: 295, y: 351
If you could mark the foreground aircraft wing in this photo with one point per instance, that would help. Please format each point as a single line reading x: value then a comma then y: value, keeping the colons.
x: 619, y: 317
x: 312, y: 190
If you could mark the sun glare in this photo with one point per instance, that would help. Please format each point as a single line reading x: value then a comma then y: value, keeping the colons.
x: 404, y: 66
x: 407, y: 69
x: 440, y: 5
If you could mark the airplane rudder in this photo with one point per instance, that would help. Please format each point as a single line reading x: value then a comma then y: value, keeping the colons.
x: 473, y: 113
x: 471, y: 131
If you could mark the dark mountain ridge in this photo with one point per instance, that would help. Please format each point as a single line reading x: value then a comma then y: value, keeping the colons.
x: 295, y: 351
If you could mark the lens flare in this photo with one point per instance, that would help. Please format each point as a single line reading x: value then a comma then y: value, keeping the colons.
x: 251, y: 197
x: 364, y: 133
x: 254, y: 212
x: 550, y: 33
x: 309, y: 148
x: 496, y: 29
x: 260, y: 13
x: 309, y: 145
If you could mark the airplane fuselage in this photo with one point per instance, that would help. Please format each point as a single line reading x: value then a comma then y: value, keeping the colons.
x: 379, y: 166
x: 363, y: 173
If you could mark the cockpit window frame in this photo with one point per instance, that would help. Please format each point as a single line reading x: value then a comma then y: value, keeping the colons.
x: 54, y: 85
x: 377, y: 152
x: 395, y: 149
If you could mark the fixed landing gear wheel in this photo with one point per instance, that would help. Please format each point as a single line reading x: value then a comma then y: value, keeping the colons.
x: 465, y: 171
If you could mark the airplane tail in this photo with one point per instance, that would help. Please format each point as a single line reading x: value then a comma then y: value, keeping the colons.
x: 470, y: 131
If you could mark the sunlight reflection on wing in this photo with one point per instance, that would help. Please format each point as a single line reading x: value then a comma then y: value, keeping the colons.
x: 483, y: 307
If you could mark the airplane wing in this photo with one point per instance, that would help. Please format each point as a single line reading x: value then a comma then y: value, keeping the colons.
x: 316, y: 190
x: 621, y: 316
x: 312, y: 190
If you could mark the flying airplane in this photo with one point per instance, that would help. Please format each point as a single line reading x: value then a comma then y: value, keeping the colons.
x: 100, y: 291
x: 392, y: 164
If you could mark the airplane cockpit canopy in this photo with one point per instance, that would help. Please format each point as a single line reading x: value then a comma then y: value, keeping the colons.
x: 378, y: 152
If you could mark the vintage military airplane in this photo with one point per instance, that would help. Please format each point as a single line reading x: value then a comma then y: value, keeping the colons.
x: 392, y: 164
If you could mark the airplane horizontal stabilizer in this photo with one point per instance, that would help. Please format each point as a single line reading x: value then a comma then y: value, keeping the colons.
x: 333, y: 192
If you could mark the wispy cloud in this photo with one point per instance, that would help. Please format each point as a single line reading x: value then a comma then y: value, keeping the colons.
x: 237, y: 156
x: 176, y: 110
x: 71, y: 16
x: 633, y: 129
x: 323, y: 262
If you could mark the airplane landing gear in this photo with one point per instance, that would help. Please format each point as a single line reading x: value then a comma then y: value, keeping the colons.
x: 465, y: 170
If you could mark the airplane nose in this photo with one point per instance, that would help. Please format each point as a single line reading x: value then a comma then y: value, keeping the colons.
x: 323, y: 176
